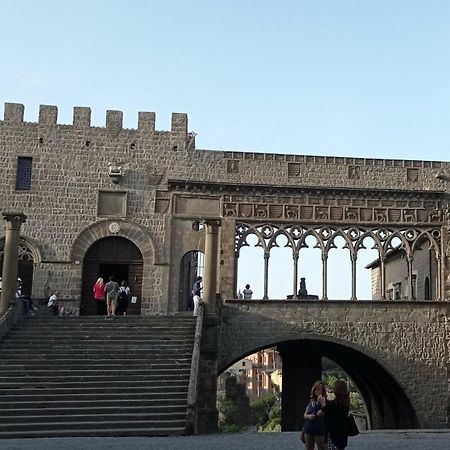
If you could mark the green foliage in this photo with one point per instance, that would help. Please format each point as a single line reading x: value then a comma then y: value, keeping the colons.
x: 273, y: 426
x: 267, y: 413
x: 234, y: 406
x: 261, y: 409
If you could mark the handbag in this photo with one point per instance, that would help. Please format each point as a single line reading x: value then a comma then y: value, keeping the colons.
x: 352, y: 428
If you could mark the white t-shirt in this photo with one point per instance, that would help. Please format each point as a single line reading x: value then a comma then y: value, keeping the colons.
x: 52, y: 300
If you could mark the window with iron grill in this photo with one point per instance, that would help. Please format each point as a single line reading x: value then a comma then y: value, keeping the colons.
x: 23, y: 177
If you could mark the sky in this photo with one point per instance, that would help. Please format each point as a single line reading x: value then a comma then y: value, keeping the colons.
x: 362, y: 78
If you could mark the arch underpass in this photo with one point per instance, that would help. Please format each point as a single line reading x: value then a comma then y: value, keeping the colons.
x: 384, y: 348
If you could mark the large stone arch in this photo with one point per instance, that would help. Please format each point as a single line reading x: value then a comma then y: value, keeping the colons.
x: 378, y: 353
x: 153, y: 271
x: 107, y: 228
x: 387, y: 403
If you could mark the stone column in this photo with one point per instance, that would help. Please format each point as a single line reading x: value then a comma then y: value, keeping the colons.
x: 324, y: 275
x: 10, y: 258
x: 302, y: 367
x: 211, y: 258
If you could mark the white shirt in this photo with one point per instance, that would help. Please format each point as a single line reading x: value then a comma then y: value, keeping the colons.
x: 52, y: 300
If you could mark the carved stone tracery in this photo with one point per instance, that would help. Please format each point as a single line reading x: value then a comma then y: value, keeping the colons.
x: 383, y: 238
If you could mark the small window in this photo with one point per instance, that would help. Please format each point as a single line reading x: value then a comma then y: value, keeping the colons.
x: 23, y: 176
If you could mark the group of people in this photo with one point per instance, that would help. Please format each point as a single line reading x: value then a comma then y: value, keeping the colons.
x: 110, y: 298
x: 326, y: 421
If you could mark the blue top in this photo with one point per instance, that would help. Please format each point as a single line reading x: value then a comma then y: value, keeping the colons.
x: 315, y: 427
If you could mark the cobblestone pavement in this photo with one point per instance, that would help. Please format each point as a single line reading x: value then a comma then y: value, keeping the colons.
x: 374, y: 440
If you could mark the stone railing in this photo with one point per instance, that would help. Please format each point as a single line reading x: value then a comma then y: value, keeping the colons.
x: 191, y: 413
x: 14, y: 313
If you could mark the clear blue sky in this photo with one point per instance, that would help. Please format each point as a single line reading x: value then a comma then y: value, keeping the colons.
x: 367, y: 78
x: 328, y: 77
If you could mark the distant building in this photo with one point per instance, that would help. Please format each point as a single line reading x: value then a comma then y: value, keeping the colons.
x: 257, y: 373
x: 424, y: 275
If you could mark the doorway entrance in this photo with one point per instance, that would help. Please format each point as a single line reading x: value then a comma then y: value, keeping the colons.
x: 114, y: 256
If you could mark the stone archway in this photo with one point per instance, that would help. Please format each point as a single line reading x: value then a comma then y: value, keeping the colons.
x: 112, y: 256
x: 138, y: 236
x: 385, y: 400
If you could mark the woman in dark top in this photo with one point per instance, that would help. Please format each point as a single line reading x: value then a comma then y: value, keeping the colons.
x: 336, y: 415
x: 314, y: 426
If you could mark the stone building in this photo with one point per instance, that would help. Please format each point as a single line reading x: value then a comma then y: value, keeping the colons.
x: 146, y: 205
x: 109, y: 200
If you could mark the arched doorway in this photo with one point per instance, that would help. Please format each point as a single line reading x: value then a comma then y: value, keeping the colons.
x: 115, y: 256
x: 191, y: 266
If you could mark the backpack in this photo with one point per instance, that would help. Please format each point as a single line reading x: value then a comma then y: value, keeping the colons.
x: 123, y: 296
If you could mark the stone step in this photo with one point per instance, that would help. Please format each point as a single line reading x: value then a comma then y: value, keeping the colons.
x: 116, y: 402
x: 76, y: 364
x: 106, y: 322
x: 102, y: 332
x: 125, y: 374
x: 99, y: 424
x: 130, y: 318
x: 92, y: 430
x: 85, y: 410
x: 83, y: 336
x: 83, y: 395
x: 111, y: 381
x: 77, y: 376
x: 45, y: 388
x: 44, y: 417
x: 90, y: 354
x: 110, y: 346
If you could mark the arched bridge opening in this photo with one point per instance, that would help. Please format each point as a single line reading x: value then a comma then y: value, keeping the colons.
x: 386, y: 403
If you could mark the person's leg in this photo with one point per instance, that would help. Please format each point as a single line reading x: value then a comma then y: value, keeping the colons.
x: 196, y: 303
x: 125, y: 307
x: 309, y: 441
x: 60, y: 310
x: 26, y: 304
x: 320, y: 442
x: 108, y: 305
x: 113, y: 307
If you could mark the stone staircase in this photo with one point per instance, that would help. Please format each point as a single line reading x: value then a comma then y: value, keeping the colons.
x: 95, y: 376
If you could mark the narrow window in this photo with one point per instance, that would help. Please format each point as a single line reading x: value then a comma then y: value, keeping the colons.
x: 427, y: 293
x: 23, y: 176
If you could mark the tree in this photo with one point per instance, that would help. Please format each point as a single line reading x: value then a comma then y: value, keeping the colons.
x: 234, y: 406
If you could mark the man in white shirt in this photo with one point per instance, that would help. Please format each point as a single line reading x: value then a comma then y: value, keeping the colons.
x: 58, y: 309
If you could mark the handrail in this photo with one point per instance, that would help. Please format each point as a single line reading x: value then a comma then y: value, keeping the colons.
x: 191, y: 413
x: 11, y: 316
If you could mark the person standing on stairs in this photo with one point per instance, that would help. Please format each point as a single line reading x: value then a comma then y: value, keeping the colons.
x: 111, y: 289
x: 99, y: 297
x: 196, y: 293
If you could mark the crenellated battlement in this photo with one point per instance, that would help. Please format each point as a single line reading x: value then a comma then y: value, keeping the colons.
x: 48, y: 115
